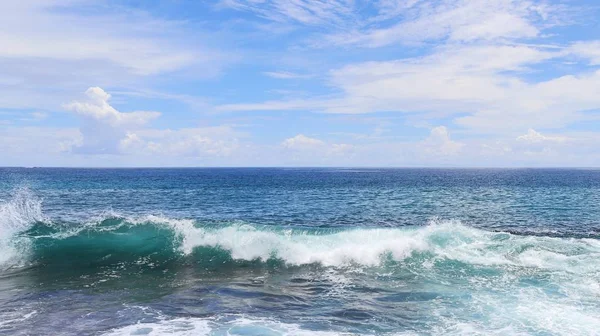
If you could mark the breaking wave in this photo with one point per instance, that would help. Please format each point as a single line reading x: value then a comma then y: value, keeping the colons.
x: 28, y: 237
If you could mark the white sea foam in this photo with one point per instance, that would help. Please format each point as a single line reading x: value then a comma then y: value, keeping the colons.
x: 527, y: 317
x: 515, y: 310
x: 442, y: 240
x: 200, y: 327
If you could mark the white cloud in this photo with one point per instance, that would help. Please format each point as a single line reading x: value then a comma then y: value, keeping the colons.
x: 32, y: 142
x: 458, y: 20
x: 52, y: 32
x: 439, y: 143
x: 413, y: 21
x: 451, y: 79
x: 98, y: 108
x: 306, y: 12
x: 51, y: 49
x: 588, y: 50
x: 223, y: 145
x: 103, y: 126
x: 50, y: 146
x: 471, y: 63
x: 481, y: 84
x: 480, y: 71
x: 219, y: 141
x: 301, y: 149
x: 106, y: 130
x: 301, y: 141
x: 533, y: 136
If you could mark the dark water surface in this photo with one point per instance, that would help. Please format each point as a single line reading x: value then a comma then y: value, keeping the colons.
x: 299, y: 251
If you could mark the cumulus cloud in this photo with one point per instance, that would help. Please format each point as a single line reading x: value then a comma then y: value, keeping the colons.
x: 439, y: 143
x: 98, y: 108
x: 105, y: 130
x: 103, y: 126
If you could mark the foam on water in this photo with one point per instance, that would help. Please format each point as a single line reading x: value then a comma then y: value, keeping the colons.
x: 369, y: 247
x: 545, y: 320
x: 239, y: 326
x: 517, y: 310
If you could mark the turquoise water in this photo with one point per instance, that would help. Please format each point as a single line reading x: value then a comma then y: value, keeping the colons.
x: 299, y: 252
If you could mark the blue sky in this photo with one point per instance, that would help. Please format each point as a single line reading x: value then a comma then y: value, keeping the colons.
x: 300, y: 83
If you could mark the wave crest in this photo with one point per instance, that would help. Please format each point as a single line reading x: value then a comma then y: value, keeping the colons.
x: 157, y: 240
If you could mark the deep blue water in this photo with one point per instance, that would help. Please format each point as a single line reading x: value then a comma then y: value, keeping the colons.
x: 270, y: 251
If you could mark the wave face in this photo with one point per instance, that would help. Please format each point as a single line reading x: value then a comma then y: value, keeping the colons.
x: 160, y: 240
x: 157, y: 240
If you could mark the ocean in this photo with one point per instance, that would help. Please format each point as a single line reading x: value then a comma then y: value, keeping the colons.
x: 306, y: 251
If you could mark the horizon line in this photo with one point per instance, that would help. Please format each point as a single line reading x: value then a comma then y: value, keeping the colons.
x: 300, y: 167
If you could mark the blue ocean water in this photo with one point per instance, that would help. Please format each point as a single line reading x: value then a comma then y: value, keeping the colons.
x: 299, y: 251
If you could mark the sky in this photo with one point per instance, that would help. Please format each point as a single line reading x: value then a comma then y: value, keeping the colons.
x: 383, y: 83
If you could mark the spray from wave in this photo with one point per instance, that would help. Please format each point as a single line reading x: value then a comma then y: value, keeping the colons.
x: 16, y: 216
